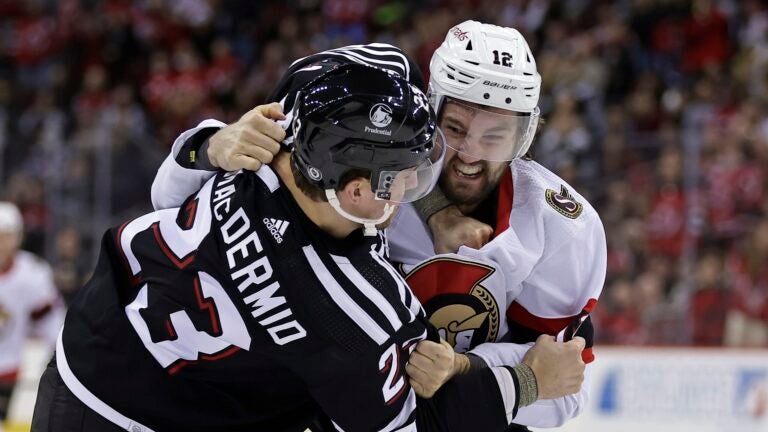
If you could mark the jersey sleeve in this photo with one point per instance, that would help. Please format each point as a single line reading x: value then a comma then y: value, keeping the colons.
x: 560, y: 306
x: 174, y: 183
x: 551, y: 413
x: 371, y: 392
x: 546, y: 413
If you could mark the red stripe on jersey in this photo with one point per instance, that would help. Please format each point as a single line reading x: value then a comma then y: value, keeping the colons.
x: 552, y: 326
x: 9, y: 377
x: 191, y: 210
x: 220, y: 355
x: 206, y: 304
x: 180, y: 364
x: 41, y: 311
x: 590, y: 305
x: 169, y: 327
x: 587, y: 355
x: 506, y: 199
x: 178, y: 262
x: 177, y: 366
x: 133, y: 279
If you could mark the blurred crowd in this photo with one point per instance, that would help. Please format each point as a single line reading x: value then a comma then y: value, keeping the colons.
x: 656, y: 110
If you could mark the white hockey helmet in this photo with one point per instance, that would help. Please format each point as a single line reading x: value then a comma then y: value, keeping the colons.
x: 492, y: 66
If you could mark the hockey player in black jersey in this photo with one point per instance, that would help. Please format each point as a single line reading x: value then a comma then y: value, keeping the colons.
x: 260, y: 303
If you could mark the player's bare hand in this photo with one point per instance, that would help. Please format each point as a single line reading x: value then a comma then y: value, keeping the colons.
x: 249, y: 142
x: 451, y: 229
x: 431, y: 365
x: 558, y: 366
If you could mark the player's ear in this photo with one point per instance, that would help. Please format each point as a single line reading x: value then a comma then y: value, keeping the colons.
x: 356, y: 190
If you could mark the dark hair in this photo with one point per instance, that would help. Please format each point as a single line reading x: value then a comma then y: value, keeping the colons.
x: 531, y: 153
x: 315, y: 192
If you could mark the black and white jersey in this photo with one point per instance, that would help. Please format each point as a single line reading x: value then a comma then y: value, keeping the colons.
x: 234, y: 312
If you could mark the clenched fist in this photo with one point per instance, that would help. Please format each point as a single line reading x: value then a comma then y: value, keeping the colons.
x: 431, y: 365
x: 451, y: 229
x: 249, y: 142
x: 558, y: 366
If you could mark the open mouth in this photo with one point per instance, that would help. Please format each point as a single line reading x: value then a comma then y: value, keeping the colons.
x: 467, y: 171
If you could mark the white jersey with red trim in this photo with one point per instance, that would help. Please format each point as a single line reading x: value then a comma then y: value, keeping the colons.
x: 542, y: 273
x: 544, y: 267
x: 28, y: 300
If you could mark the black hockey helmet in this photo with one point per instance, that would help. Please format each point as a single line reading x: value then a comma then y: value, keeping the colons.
x: 361, y: 117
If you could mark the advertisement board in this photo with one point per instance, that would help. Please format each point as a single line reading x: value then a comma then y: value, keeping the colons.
x: 676, y: 390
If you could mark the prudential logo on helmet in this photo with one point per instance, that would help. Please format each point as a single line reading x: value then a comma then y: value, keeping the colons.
x: 380, y: 116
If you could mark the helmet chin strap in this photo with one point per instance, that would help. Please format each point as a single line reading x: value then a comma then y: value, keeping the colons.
x: 369, y: 224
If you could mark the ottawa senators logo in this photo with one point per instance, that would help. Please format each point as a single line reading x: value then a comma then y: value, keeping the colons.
x: 464, y: 312
x: 564, y: 203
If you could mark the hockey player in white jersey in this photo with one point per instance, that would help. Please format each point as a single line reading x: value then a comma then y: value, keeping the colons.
x: 29, y: 302
x: 544, y: 266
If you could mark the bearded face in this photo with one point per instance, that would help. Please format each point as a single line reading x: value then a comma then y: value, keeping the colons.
x: 480, y: 144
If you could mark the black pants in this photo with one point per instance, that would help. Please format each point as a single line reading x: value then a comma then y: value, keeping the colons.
x: 58, y: 410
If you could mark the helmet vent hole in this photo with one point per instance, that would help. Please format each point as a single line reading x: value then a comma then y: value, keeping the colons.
x: 508, y: 100
x: 472, y: 62
x: 527, y: 74
x: 486, y: 96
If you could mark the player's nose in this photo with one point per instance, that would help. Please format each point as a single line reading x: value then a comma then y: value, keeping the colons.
x: 468, y: 159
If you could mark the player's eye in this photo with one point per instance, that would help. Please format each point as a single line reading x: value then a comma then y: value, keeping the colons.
x: 492, y: 140
x: 456, y: 131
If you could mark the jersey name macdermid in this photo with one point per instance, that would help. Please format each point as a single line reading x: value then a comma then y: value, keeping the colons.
x: 250, y: 268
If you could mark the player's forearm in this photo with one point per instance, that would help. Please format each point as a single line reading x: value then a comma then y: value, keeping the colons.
x: 484, y: 398
x: 175, y: 181
x: 431, y: 204
x: 551, y: 413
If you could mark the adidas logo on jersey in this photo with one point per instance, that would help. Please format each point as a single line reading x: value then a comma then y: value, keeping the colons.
x: 276, y: 227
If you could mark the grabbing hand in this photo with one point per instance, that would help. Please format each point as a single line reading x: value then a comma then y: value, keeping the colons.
x: 249, y: 142
x: 431, y: 365
x: 451, y: 229
x: 558, y: 366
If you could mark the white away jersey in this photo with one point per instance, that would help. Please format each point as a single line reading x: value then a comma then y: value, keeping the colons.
x: 27, y: 294
x: 544, y: 266
x: 542, y: 273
